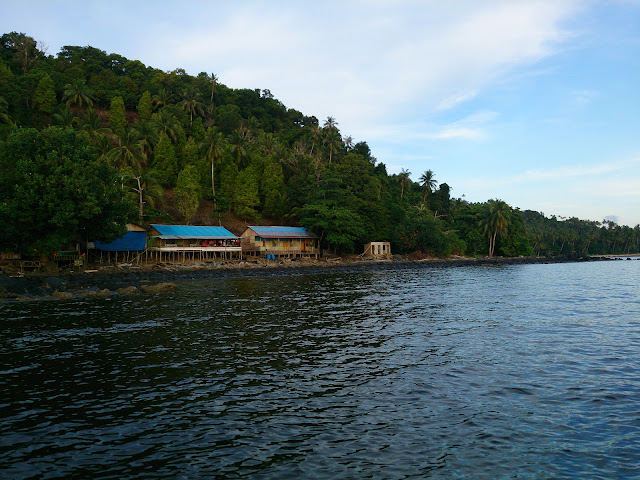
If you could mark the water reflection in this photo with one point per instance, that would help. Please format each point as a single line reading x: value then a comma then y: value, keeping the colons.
x: 461, y: 372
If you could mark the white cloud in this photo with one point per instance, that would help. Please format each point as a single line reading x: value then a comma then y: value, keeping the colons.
x: 457, y: 133
x: 374, y: 61
x: 620, y: 187
x: 588, y: 192
x: 472, y: 127
x: 456, y: 99
x: 582, y: 98
x: 573, y: 172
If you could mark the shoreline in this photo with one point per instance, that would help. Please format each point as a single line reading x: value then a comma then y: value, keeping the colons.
x: 114, y: 280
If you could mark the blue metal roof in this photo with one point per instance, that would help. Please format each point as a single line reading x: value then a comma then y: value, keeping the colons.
x: 129, y: 242
x: 282, y: 232
x: 193, y: 231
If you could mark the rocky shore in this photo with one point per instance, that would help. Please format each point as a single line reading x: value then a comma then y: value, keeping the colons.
x: 160, y: 278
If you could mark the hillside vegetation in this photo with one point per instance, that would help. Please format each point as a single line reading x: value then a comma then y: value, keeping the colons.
x: 90, y: 141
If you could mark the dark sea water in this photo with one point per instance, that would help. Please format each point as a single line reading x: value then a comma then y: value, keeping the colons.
x: 529, y: 371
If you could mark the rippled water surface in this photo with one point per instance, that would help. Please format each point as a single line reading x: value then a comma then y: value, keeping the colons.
x: 473, y: 372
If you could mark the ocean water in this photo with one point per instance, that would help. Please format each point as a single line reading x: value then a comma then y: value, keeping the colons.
x: 528, y: 371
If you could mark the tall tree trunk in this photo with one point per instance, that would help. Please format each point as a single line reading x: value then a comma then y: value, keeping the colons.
x: 213, y: 191
x: 213, y: 182
x: 139, y: 190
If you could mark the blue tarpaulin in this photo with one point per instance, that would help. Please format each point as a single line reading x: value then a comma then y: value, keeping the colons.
x: 129, y: 242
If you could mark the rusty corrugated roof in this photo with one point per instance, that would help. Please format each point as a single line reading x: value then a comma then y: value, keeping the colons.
x: 282, y: 232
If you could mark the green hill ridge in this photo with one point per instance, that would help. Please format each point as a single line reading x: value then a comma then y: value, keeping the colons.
x: 90, y: 141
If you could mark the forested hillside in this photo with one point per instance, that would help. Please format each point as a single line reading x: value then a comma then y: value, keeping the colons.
x: 90, y: 140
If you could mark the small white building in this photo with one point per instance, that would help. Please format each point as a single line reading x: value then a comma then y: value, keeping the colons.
x: 377, y: 249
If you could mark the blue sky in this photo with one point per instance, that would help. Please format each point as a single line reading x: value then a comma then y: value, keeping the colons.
x: 533, y: 102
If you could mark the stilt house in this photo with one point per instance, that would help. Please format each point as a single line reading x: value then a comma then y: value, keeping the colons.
x: 280, y: 241
x: 181, y: 243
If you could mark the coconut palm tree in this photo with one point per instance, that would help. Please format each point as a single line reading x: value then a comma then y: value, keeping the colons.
x: 212, y: 147
x: 147, y: 134
x: 253, y: 126
x: 636, y: 239
x: 127, y: 152
x: 239, y: 143
x: 332, y: 137
x: 164, y: 122
x: 4, y: 112
x: 268, y: 144
x: 316, y: 135
x: 214, y: 82
x: 428, y: 182
x: 64, y: 117
x: 162, y: 98
x: 333, y: 141
x: 348, y: 143
x: 77, y: 93
x: 403, y: 178
x: 191, y: 104
x: 330, y: 123
x: 495, y: 222
x: 92, y: 123
x: 102, y: 144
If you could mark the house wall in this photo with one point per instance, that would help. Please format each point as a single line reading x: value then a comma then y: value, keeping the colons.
x: 251, y: 242
x: 377, y: 249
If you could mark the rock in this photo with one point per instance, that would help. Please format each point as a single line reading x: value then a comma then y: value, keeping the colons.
x: 96, y: 292
x: 159, y: 288
x: 56, y: 283
x: 62, y: 295
x: 9, y: 284
x: 50, y: 268
x: 127, y: 290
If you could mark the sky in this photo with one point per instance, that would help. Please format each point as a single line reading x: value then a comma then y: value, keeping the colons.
x: 533, y: 102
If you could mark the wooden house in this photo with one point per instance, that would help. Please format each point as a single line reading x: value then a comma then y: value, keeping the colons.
x: 377, y: 249
x: 280, y: 241
x: 182, y: 243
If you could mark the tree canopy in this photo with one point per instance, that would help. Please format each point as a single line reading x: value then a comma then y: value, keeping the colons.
x: 55, y: 191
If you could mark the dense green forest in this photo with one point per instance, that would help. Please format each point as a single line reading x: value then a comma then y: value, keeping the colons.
x: 90, y: 141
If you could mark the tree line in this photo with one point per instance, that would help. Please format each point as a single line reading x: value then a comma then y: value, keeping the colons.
x: 90, y: 141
